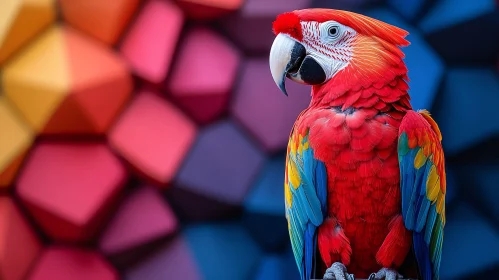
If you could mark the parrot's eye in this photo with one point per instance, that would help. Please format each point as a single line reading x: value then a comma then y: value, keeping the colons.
x: 333, y: 31
x: 330, y: 31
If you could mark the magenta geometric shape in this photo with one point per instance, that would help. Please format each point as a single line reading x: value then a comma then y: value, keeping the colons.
x: 204, y: 73
x: 172, y: 261
x: 251, y: 27
x: 63, y: 263
x: 150, y: 43
x: 263, y: 109
x: 154, y: 136
x: 143, y: 217
x: 70, y: 187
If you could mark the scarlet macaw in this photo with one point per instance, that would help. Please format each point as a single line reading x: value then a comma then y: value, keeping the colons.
x: 365, y: 174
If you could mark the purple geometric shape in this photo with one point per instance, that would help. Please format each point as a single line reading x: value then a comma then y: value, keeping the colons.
x: 143, y: 217
x: 216, y: 174
x: 251, y: 28
x: 172, y: 261
x: 263, y: 109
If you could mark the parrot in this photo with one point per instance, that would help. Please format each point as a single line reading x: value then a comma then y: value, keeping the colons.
x: 364, y: 179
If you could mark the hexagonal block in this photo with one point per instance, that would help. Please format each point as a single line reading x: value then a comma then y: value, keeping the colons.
x: 217, y: 173
x: 237, y: 254
x: 69, y: 187
x: 14, y: 147
x: 251, y: 27
x: 142, y: 218
x: 350, y: 5
x: 426, y: 69
x: 409, y: 9
x: 264, y: 206
x: 201, y: 92
x: 209, y: 9
x: 466, y: 260
x: 447, y: 21
x: 20, y: 21
x: 173, y: 261
x: 460, y: 91
x: 277, y: 267
x: 150, y: 43
x: 257, y: 92
x: 103, y: 20
x: 64, y: 83
x: 153, y: 136
x: 19, y: 246
x: 61, y: 263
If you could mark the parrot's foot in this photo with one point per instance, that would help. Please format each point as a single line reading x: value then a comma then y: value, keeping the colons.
x: 338, y: 271
x: 387, y: 274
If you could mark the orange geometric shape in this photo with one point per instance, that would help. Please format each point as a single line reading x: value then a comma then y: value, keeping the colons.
x: 14, y: 143
x: 20, y: 21
x: 65, y: 83
x: 62, y: 263
x: 209, y: 9
x: 70, y: 188
x: 103, y: 20
x: 19, y: 246
x: 153, y: 136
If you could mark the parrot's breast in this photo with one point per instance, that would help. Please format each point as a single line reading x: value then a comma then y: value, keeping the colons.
x: 359, y: 149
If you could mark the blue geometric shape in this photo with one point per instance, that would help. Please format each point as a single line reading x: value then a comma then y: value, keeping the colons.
x: 223, y: 251
x: 407, y: 8
x: 451, y: 190
x: 482, y: 182
x: 471, y: 245
x: 217, y: 174
x: 463, y: 31
x: 277, y: 267
x: 451, y: 12
x: 468, y: 108
x: 264, y: 207
x: 425, y: 66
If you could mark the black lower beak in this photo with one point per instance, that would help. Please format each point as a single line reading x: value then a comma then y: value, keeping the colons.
x: 297, y: 56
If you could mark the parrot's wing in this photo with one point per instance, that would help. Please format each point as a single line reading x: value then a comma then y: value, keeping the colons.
x: 305, y: 199
x: 423, y: 183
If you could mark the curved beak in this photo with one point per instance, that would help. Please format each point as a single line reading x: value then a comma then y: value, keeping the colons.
x: 286, y: 57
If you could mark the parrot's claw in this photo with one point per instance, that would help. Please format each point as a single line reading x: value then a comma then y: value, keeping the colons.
x: 338, y: 271
x: 387, y: 274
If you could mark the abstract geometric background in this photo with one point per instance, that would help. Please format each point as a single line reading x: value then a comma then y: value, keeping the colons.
x: 145, y: 139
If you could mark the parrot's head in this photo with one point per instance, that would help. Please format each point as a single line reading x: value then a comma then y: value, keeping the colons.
x: 335, y: 51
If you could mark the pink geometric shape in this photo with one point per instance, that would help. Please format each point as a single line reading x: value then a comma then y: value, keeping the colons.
x: 276, y: 112
x: 143, y: 217
x: 69, y: 187
x: 209, y: 9
x: 204, y: 74
x: 63, y: 263
x: 151, y: 41
x: 153, y: 136
x: 19, y: 246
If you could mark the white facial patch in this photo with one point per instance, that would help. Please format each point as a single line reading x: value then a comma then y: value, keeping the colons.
x: 329, y: 43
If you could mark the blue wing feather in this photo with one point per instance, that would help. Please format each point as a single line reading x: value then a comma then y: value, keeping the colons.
x: 306, y: 187
x: 422, y: 177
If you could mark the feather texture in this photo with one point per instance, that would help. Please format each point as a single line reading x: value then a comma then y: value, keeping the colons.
x: 305, y: 190
x: 422, y: 176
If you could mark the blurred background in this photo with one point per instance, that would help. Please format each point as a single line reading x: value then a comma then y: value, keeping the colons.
x: 145, y: 139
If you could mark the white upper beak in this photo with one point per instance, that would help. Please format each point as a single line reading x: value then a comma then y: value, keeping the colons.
x: 281, y: 58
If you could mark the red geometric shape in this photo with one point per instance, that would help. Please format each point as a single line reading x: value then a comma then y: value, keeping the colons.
x: 209, y: 9
x: 69, y: 187
x: 251, y: 27
x: 19, y: 245
x: 103, y: 20
x: 63, y: 263
x: 151, y: 41
x: 153, y: 136
x: 142, y: 218
x: 204, y: 74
